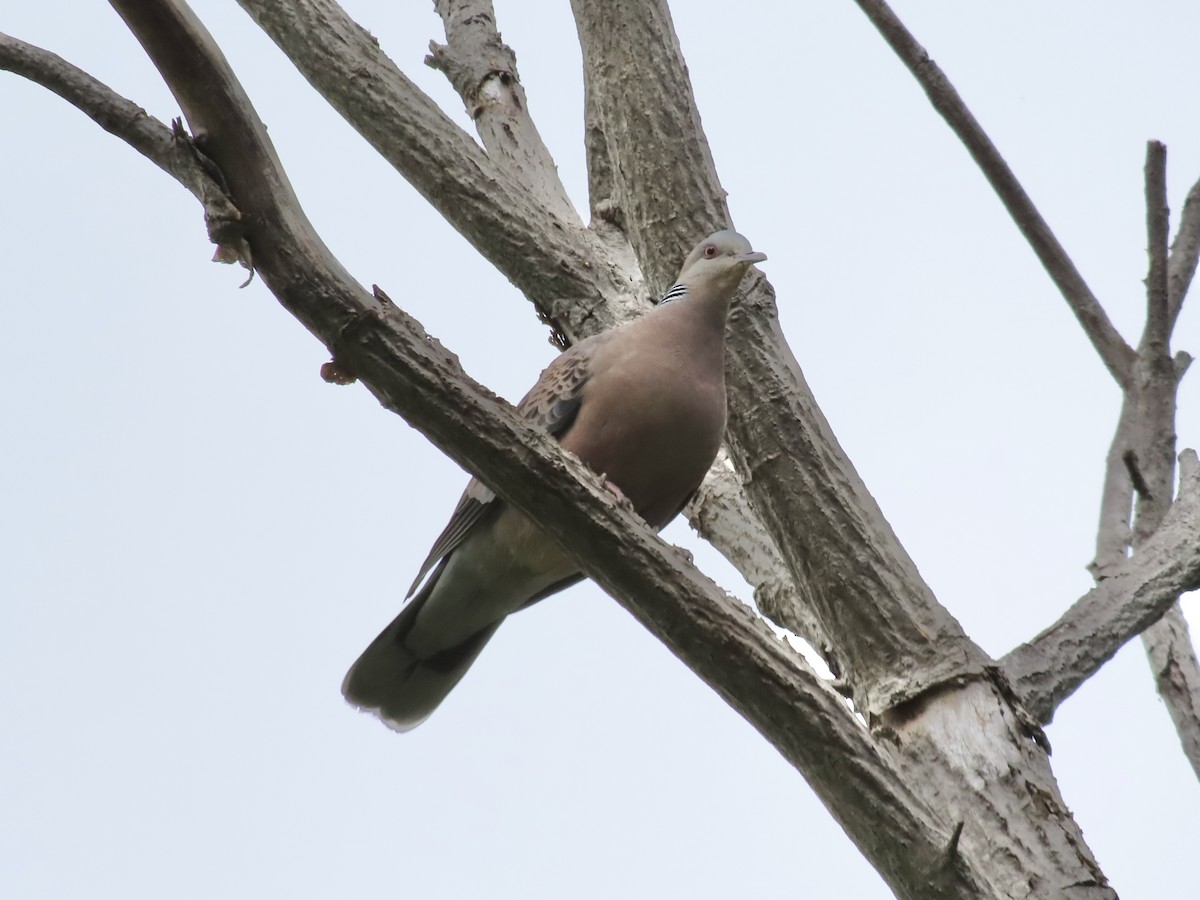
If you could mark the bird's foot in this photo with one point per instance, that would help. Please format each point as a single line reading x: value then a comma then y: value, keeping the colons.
x: 622, y: 501
x: 684, y: 552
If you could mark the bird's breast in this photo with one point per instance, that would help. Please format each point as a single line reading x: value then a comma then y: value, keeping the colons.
x: 653, y: 429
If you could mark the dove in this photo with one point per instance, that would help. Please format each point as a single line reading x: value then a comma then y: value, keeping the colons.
x: 642, y: 404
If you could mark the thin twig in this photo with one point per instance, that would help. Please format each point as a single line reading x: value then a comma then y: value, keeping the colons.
x: 1185, y: 252
x: 126, y: 120
x: 1115, y: 532
x: 1116, y: 354
x: 1158, y: 323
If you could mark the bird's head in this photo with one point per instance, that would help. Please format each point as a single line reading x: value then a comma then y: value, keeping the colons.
x: 720, y: 261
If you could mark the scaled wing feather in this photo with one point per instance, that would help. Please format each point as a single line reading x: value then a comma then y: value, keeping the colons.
x: 551, y: 404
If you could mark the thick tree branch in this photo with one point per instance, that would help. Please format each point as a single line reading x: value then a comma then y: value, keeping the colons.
x: 891, y: 636
x: 912, y: 670
x: 409, y: 372
x: 123, y: 118
x: 606, y: 214
x: 641, y: 98
x: 1129, y: 597
x: 722, y: 508
x: 1116, y: 354
x: 483, y: 70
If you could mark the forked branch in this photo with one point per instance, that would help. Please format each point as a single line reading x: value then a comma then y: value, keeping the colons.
x: 123, y: 118
x: 1129, y: 598
x: 483, y: 70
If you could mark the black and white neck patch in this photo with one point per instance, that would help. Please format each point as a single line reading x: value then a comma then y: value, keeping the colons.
x: 674, y: 292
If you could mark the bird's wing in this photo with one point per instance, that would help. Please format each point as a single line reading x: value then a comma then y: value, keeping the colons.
x: 552, y: 405
x: 475, y: 501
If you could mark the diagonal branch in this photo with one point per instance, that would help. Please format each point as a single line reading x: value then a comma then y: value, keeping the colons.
x: 409, y: 372
x: 1172, y: 657
x: 1116, y: 354
x: 554, y: 262
x: 1128, y: 598
x: 123, y: 118
x: 1185, y: 252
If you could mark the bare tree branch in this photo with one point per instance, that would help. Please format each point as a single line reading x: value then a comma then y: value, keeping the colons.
x: 554, y: 262
x: 1147, y: 418
x: 1128, y: 598
x: 664, y: 182
x: 1185, y: 252
x: 1115, y: 532
x: 1116, y: 354
x: 125, y: 119
x: 1158, y: 321
x: 483, y: 70
x: 1177, y: 677
x: 891, y: 636
x: 912, y: 670
x: 722, y: 508
x: 1153, y: 395
x: 408, y: 371
x: 606, y: 214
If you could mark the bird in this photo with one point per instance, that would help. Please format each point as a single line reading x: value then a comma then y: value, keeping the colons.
x: 642, y: 404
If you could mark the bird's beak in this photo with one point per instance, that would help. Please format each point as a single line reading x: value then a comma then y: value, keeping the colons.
x: 753, y: 256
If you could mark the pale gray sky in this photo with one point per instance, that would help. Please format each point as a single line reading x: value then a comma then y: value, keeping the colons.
x: 200, y: 535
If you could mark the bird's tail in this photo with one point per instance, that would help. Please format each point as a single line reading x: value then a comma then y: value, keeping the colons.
x: 400, y: 686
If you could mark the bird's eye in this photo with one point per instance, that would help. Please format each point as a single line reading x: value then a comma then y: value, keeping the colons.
x: 710, y: 251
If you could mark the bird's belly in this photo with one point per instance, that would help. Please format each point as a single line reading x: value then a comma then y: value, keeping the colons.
x: 495, y: 572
